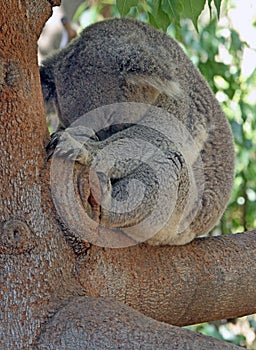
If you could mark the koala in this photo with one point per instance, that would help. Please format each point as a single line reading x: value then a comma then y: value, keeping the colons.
x: 133, y: 107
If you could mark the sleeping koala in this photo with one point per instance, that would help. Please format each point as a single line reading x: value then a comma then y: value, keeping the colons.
x: 133, y: 107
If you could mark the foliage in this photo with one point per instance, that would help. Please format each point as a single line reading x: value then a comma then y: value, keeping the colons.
x: 218, y: 51
x: 159, y: 13
x: 237, y: 331
x: 162, y: 13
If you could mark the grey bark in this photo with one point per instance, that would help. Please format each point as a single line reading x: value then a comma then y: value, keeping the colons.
x: 104, y: 324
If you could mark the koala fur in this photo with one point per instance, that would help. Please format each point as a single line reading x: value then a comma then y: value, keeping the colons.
x: 131, y: 64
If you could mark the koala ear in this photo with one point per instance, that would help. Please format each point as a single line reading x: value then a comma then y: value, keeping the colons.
x: 48, y: 83
x: 142, y: 69
x: 160, y: 86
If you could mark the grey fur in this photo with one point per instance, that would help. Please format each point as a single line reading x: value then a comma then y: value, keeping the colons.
x: 125, y: 61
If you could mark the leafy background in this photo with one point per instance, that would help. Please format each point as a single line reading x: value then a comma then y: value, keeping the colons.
x: 204, y: 30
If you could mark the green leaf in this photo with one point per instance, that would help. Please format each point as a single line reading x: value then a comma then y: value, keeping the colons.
x: 237, y: 130
x: 124, y: 6
x: 173, y: 8
x: 193, y: 9
x: 152, y: 21
x: 217, y: 4
x: 210, y: 5
x: 236, y: 43
x: 157, y: 17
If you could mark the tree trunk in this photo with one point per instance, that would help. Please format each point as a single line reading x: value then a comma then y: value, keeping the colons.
x: 36, y: 263
x: 47, y: 289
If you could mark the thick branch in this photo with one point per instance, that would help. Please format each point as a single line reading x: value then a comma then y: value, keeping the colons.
x: 206, y: 280
x: 91, y: 323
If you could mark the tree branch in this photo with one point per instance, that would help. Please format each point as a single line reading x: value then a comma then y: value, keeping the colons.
x: 208, y: 279
x: 91, y: 323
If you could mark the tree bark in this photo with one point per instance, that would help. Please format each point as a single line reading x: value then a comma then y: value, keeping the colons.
x: 208, y: 279
x: 95, y: 324
x: 45, y: 285
x: 35, y: 261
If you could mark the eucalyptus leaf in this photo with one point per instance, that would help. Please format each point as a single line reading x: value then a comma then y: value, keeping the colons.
x: 217, y: 4
x: 158, y: 17
x: 173, y: 8
x: 192, y: 9
x: 237, y: 132
x: 124, y: 6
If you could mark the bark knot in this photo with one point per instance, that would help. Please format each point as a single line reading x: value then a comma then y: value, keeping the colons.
x: 16, y: 237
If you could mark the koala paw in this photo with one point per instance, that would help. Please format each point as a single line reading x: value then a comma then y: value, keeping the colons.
x: 73, y: 144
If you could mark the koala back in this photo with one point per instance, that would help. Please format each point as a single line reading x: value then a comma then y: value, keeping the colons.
x: 123, y: 60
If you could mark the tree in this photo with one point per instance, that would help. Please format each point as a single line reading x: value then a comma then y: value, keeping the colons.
x: 50, y: 285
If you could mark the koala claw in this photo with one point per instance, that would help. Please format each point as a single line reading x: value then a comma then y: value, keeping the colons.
x: 62, y: 144
x: 50, y: 148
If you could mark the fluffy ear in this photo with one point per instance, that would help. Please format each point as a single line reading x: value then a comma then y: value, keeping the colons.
x: 142, y: 69
x: 157, y: 85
